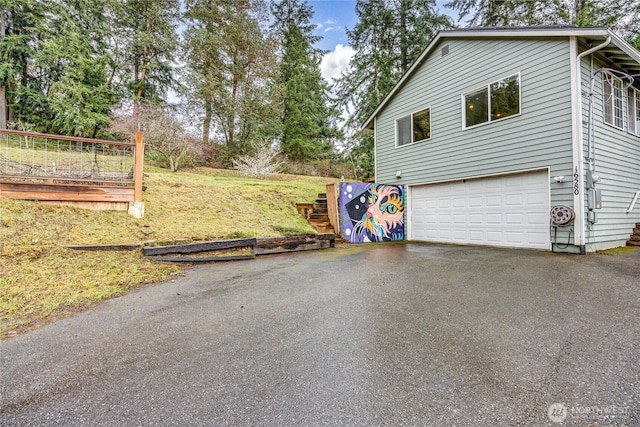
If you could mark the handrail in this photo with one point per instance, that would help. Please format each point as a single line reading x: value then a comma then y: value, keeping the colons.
x: 633, y: 202
x: 66, y: 138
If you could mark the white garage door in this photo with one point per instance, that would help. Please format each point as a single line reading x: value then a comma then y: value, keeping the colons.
x: 508, y: 210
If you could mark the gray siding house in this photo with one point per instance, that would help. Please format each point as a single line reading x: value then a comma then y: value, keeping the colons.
x: 517, y: 137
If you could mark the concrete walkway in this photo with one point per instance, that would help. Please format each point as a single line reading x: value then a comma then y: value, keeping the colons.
x: 398, y: 334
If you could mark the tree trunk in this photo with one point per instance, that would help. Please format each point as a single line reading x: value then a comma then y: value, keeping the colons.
x: 3, y: 95
x: 206, y: 124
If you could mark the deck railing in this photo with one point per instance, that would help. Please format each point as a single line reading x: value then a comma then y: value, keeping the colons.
x: 40, y: 166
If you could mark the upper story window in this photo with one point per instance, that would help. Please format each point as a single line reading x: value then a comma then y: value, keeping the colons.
x: 413, y: 128
x: 495, y: 101
x: 613, y: 99
x: 633, y: 110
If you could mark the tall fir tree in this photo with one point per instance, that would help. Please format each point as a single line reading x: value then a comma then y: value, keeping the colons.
x: 144, y: 44
x: 388, y: 38
x: 616, y: 14
x: 306, y: 117
x: 230, y: 72
x: 22, y: 36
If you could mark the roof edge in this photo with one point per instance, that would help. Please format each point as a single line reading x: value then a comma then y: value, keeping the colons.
x: 501, y: 32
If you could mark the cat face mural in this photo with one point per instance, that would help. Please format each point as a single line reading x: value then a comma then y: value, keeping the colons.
x: 371, y: 212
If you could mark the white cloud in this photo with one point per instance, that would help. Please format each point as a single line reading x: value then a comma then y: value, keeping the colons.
x: 335, y: 62
x: 326, y: 30
x: 330, y: 22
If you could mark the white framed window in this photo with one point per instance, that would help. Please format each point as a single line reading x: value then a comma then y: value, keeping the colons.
x: 613, y: 99
x: 496, y: 101
x: 633, y: 110
x: 413, y: 128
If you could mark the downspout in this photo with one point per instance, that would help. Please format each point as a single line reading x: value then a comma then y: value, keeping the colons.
x: 583, y: 225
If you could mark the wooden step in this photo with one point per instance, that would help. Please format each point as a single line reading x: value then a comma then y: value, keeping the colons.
x: 633, y: 242
x: 634, y: 238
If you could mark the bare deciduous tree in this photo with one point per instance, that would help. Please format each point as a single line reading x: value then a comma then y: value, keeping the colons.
x: 164, y: 135
x: 260, y: 164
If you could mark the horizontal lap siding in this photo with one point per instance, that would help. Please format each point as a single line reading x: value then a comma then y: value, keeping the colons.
x: 617, y: 162
x: 540, y: 137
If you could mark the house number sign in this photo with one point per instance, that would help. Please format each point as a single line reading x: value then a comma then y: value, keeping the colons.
x: 576, y: 182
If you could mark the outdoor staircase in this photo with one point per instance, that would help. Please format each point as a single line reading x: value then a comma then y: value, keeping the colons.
x: 317, y: 214
x: 634, y: 240
x: 319, y: 218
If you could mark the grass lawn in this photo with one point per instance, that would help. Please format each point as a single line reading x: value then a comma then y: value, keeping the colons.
x: 41, y: 280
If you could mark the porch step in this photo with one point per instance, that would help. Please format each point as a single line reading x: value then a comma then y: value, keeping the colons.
x: 634, y: 239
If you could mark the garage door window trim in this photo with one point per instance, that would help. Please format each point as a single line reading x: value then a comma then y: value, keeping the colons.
x: 496, y: 101
x: 413, y: 128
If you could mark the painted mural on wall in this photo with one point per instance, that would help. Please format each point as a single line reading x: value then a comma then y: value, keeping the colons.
x: 371, y: 212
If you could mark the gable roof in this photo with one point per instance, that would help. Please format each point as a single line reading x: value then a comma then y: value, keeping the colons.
x: 617, y: 51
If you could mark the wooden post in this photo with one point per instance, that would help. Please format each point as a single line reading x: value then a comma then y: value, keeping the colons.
x: 332, y: 207
x: 138, y: 168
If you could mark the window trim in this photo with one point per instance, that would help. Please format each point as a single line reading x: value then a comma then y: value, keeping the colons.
x: 488, y: 88
x: 623, y: 111
x: 397, y: 134
x: 633, y: 114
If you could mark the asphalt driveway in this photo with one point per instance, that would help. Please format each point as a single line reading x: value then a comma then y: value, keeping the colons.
x: 411, y: 334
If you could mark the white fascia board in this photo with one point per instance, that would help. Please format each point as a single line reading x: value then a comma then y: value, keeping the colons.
x: 624, y: 46
x: 530, y: 32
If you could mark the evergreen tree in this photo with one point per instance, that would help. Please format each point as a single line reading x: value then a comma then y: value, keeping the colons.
x: 306, y: 117
x: 22, y: 35
x: 615, y: 14
x: 73, y: 61
x: 144, y: 42
x: 229, y: 73
x: 389, y: 36
x: 53, y: 66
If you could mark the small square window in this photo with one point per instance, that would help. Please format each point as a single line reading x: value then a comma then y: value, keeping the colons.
x: 413, y: 128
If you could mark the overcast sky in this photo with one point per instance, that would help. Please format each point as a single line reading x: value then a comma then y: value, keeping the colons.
x: 332, y: 18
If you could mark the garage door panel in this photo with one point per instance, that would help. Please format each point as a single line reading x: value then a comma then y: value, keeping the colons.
x: 494, y: 201
x: 494, y: 218
x: 513, y: 200
x: 503, y: 211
